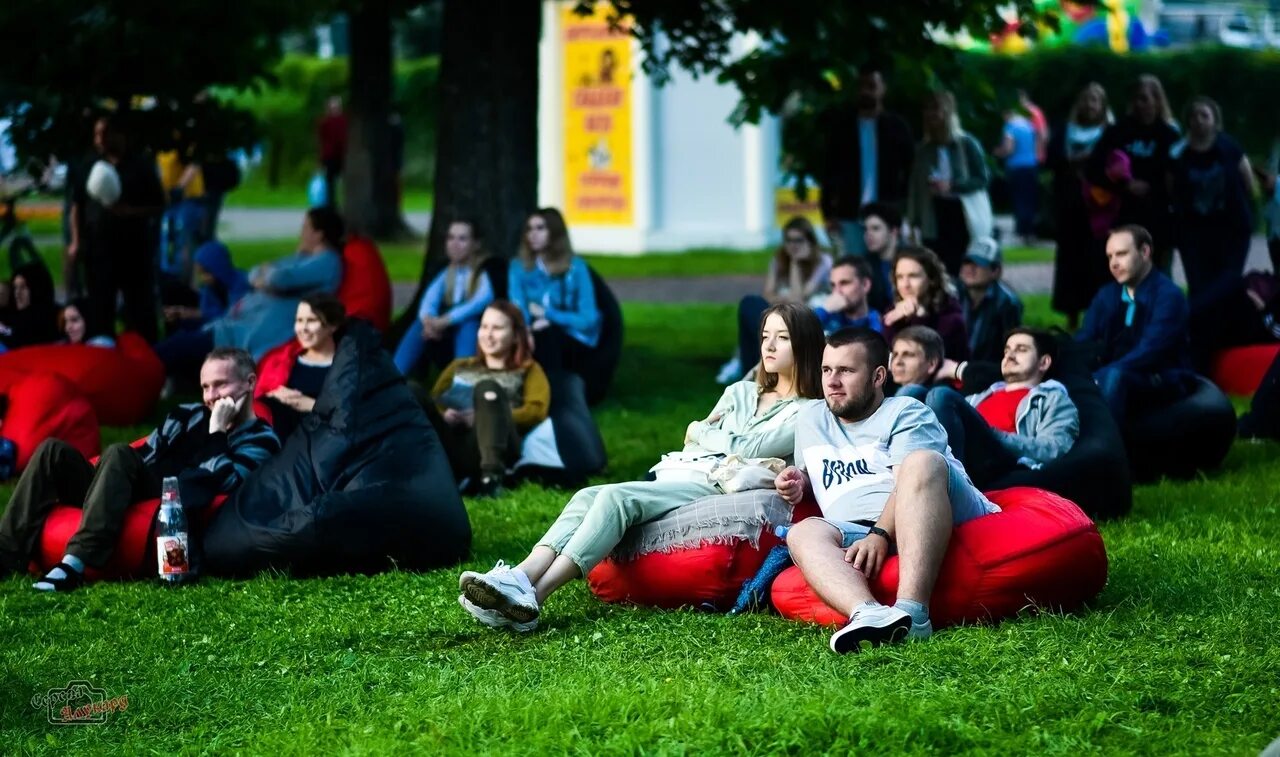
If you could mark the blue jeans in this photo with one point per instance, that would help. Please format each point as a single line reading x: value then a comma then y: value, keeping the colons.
x: 750, y: 308
x: 459, y: 341
x: 966, y: 502
x: 1126, y: 391
x: 972, y: 439
x: 1024, y: 188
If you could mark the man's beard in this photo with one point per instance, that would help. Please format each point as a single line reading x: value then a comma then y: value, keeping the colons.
x: 854, y: 408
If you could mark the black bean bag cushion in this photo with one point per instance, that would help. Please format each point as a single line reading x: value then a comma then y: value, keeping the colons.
x: 609, y: 349
x: 1192, y: 434
x: 363, y: 482
x: 566, y: 448
x: 1094, y: 473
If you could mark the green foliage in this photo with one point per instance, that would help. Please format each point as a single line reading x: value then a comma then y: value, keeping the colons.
x: 287, y: 109
x: 148, y: 58
x: 1175, y: 656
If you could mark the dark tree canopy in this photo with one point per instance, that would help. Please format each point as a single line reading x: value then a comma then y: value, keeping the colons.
x: 809, y: 52
x: 150, y: 58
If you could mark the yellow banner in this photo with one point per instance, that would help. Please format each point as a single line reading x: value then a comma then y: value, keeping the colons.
x: 597, y: 119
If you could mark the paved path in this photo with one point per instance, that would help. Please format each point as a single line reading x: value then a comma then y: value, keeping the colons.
x: 283, y: 223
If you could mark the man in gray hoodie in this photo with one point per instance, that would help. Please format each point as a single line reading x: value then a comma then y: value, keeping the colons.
x: 1027, y: 419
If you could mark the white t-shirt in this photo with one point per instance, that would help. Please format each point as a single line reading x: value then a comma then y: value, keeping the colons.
x: 850, y: 465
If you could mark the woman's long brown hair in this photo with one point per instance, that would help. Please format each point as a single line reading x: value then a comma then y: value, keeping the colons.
x: 807, y: 343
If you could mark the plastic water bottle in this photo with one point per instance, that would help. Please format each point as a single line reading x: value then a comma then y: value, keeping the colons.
x: 173, y: 543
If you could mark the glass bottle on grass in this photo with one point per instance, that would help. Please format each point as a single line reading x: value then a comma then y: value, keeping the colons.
x: 173, y: 543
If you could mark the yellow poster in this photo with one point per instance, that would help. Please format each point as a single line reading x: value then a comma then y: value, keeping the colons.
x: 597, y: 119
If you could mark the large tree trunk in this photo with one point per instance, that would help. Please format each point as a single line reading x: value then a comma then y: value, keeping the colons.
x: 370, y: 198
x: 487, y: 137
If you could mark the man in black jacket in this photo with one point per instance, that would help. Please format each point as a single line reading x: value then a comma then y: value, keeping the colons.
x: 210, y: 448
x: 868, y: 159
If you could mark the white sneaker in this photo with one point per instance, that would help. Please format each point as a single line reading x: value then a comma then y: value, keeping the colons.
x: 730, y: 372
x: 873, y: 625
x: 493, y: 618
x: 503, y: 589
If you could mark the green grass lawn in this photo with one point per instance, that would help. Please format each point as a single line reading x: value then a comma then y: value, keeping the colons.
x: 1177, y: 656
x: 254, y: 193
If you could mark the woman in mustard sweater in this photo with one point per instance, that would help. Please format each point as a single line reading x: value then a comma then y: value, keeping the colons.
x: 484, y: 404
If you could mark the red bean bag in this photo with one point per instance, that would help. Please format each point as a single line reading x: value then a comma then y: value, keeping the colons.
x: 366, y: 286
x: 122, y: 383
x: 47, y: 406
x: 135, y: 553
x: 700, y: 568
x: 1040, y: 551
x: 1239, y: 370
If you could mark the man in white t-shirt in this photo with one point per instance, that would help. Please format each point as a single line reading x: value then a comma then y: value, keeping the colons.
x: 885, y: 480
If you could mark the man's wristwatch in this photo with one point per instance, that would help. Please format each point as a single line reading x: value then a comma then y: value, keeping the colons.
x: 878, y: 531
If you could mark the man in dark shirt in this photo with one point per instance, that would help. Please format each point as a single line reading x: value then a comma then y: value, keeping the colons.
x: 991, y: 308
x: 1139, y: 324
x: 210, y: 448
x: 121, y: 240
x: 868, y: 159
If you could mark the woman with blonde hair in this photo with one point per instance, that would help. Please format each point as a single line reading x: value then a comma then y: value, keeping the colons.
x: 1145, y: 136
x: 947, y: 199
x: 553, y: 289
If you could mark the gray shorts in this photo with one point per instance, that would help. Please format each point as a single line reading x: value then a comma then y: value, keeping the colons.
x: 967, y: 503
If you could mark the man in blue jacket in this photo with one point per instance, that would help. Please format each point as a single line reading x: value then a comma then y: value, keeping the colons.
x: 1139, y: 324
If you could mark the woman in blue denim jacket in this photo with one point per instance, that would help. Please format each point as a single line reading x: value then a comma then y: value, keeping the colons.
x: 553, y: 288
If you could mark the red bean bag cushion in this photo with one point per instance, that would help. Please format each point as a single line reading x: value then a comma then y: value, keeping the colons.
x: 135, y: 553
x: 1040, y: 551
x: 122, y: 383
x: 1239, y: 370
x: 366, y: 286
x: 47, y: 406
x: 708, y: 563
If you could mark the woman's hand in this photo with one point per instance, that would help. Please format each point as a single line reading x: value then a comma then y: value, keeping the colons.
x: 293, y: 398
x: 688, y: 433
x: 464, y: 418
x: 939, y: 187
x: 433, y: 328
x: 537, y: 310
x: 906, y: 308
x: 539, y: 324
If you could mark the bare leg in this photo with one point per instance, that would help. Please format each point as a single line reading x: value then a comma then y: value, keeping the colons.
x: 923, y: 522
x: 815, y: 547
x: 537, y: 563
x: 561, y: 572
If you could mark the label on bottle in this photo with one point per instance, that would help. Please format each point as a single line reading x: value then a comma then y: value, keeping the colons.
x: 171, y: 554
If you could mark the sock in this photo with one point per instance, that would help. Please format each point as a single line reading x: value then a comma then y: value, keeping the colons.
x: 918, y: 612
x: 864, y: 606
x: 75, y: 563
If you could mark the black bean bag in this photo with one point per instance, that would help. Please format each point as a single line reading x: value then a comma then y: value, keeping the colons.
x: 362, y: 484
x: 1094, y: 473
x: 566, y: 448
x: 609, y: 349
x: 1192, y: 434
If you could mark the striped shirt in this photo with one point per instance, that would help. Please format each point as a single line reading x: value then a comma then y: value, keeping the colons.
x: 206, y: 464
